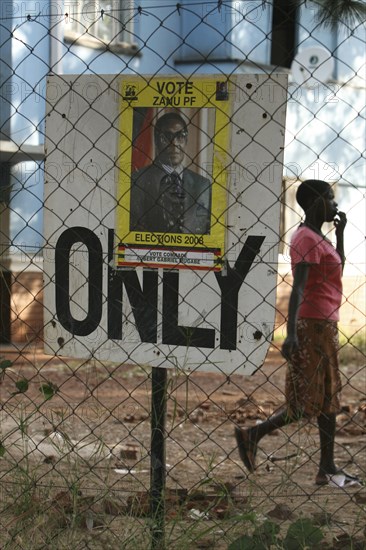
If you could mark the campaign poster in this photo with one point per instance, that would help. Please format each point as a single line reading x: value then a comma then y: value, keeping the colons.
x: 172, y: 182
x: 154, y: 307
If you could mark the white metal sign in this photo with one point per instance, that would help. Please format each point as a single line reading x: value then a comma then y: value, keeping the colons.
x: 162, y: 218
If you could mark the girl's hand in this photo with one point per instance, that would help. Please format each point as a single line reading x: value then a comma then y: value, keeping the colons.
x: 340, y: 222
x: 289, y: 347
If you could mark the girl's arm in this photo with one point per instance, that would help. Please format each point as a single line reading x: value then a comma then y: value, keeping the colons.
x: 291, y: 343
x: 340, y: 223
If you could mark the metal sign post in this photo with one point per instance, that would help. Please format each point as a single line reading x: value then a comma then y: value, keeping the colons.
x: 158, y: 465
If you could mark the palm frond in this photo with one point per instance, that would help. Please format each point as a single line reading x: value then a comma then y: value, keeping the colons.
x: 351, y: 13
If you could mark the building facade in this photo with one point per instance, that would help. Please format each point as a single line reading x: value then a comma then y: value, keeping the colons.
x: 325, y: 131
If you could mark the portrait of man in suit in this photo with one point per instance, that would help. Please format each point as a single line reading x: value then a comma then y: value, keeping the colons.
x: 166, y: 195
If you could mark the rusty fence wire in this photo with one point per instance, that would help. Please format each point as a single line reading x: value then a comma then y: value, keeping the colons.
x: 76, y: 457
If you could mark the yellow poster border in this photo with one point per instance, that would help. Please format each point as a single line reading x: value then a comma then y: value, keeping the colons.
x: 196, y: 92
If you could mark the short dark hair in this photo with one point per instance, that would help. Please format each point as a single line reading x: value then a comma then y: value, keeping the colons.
x: 164, y: 119
x: 310, y: 190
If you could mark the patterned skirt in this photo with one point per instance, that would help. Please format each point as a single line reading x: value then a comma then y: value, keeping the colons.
x: 313, y: 382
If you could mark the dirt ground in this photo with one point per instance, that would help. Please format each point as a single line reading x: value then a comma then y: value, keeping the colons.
x: 75, y: 442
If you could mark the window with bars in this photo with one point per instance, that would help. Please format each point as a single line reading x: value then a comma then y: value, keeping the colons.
x: 100, y: 23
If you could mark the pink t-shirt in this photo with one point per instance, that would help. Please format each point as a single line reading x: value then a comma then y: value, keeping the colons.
x: 323, y: 290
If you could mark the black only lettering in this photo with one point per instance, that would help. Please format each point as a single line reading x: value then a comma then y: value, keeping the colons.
x: 68, y: 238
x: 230, y: 286
x: 144, y: 301
x: 172, y: 332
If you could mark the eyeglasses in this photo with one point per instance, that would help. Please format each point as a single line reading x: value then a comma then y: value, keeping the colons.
x: 168, y: 137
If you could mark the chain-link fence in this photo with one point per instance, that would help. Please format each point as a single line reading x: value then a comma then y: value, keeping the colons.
x: 150, y: 157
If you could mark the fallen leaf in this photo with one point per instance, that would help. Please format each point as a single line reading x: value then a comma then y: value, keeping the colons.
x: 114, y: 508
x: 207, y: 542
x: 139, y: 504
x: 176, y: 496
x: 281, y: 511
x: 200, y: 496
x: 243, y: 401
x: 128, y: 453
x: 355, y: 430
x: 51, y: 459
x: 360, y: 497
x: 239, y: 499
x: 221, y: 512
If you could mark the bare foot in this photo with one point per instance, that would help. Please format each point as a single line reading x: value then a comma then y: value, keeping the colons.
x: 338, y: 477
x: 247, y: 448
